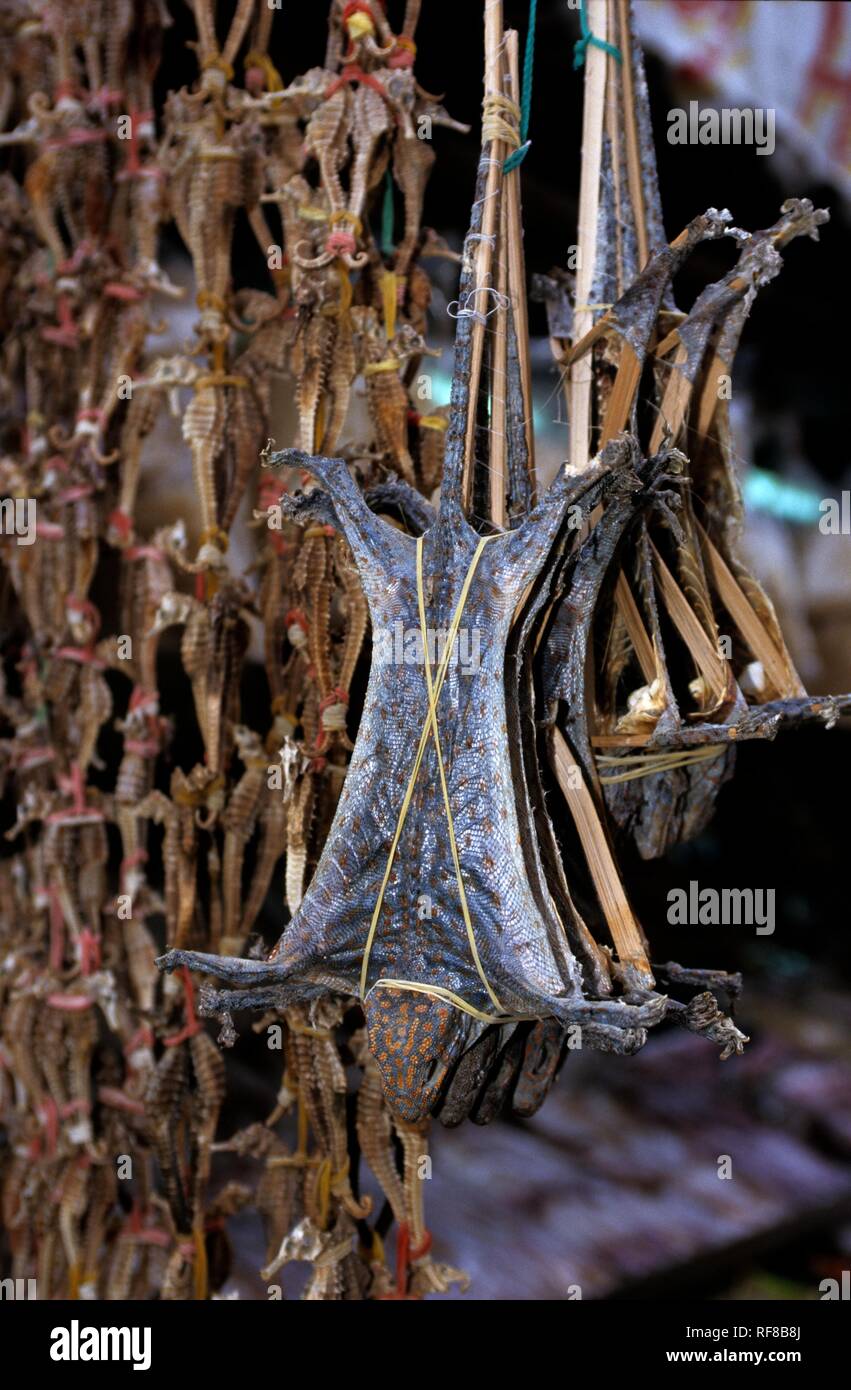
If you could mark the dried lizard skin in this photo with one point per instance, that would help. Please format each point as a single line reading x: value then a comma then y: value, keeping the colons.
x: 414, y: 1038
x: 706, y: 589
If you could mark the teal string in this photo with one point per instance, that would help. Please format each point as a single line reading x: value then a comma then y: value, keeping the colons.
x: 387, y: 217
x: 517, y: 156
x: 581, y: 46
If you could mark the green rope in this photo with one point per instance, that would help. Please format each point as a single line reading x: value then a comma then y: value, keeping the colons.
x: 517, y: 156
x: 581, y: 45
x: 387, y: 217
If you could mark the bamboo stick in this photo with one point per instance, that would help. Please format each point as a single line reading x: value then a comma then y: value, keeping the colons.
x: 612, y: 96
x: 498, y: 470
x: 642, y: 645
x: 708, y: 397
x: 497, y: 477
x: 622, y: 394
x: 633, y: 156
x: 580, y: 376
x: 483, y: 255
x: 713, y: 667
x: 776, y: 663
x: 620, y: 919
x: 517, y: 273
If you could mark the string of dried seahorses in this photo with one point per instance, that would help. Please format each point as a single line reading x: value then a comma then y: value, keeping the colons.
x: 112, y: 1088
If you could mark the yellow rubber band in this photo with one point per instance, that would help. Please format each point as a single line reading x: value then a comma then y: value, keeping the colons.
x: 416, y: 987
x: 360, y: 25
x: 206, y: 299
x: 387, y: 364
x: 646, y: 764
x: 217, y: 536
x: 303, y: 1031
x: 430, y: 727
x: 254, y: 59
x: 349, y: 219
x: 217, y: 61
x: 389, y: 303
x: 201, y: 383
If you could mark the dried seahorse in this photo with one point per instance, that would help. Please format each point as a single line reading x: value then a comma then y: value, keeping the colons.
x: 165, y: 1102
x: 214, y: 638
x: 141, y: 416
x: 248, y: 406
x: 322, y: 1087
x: 91, y: 875
x: 357, y: 616
x: 387, y: 397
x: 371, y: 120
x: 299, y: 819
x: 143, y: 730
x: 161, y: 809
x: 275, y: 1190
x: 322, y: 327
x: 412, y: 163
x: 203, y: 428
x: 239, y: 819
x: 325, y: 140
x: 375, y: 1136
x: 273, y: 813
x: 209, y: 1074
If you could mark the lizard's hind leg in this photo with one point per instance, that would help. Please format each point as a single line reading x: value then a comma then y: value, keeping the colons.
x: 612, y: 1014
x: 219, y: 1003
x: 268, y: 985
x: 231, y: 968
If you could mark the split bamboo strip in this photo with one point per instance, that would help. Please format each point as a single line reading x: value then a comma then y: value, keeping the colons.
x: 580, y: 375
x: 633, y: 157
x: 708, y: 398
x: 675, y: 403
x: 620, y: 740
x: 644, y: 651
x: 620, y: 919
x: 517, y: 274
x: 705, y: 654
x: 612, y: 133
x: 622, y: 395
x: 777, y: 664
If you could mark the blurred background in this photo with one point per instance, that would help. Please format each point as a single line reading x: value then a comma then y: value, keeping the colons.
x: 614, y: 1187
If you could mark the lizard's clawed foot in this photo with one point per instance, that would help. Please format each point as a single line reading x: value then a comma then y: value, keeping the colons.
x: 702, y: 1015
x: 662, y: 479
x: 309, y: 508
x: 617, y: 1013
